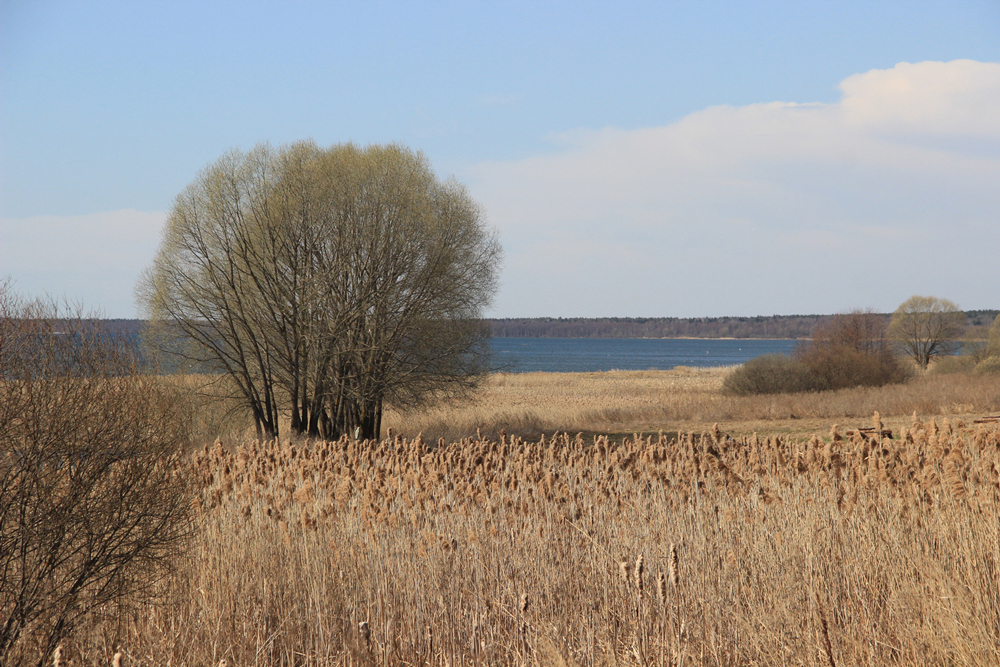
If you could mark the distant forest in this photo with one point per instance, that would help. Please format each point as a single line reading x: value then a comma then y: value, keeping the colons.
x: 773, y: 326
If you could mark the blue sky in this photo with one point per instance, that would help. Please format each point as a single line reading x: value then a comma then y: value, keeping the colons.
x: 636, y: 159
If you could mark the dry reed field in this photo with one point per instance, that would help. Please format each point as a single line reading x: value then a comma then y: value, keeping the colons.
x: 703, y: 549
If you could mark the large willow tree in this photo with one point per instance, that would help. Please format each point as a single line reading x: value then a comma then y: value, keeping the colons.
x: 326, y: 283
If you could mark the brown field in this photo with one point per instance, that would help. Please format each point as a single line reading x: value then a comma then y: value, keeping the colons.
x: 687, y: 400
x: 712, y: 549
x: 623, y: 403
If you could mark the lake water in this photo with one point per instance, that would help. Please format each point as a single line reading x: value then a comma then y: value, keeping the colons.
x: 588, y: 355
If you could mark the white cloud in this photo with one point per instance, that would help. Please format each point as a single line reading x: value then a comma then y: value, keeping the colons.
x: 91, y: 259
x: 767, y: 208
x: 955, y: 98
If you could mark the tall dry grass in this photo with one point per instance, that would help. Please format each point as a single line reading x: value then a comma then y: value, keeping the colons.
x: 685, y: 399
x: 700, y: 550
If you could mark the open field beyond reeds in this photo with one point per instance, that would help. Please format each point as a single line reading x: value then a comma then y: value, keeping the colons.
x: 716, y: 548
x: 623, y: 403
x: 687, y: 399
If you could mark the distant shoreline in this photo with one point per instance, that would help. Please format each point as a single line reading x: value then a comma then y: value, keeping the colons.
x: 661, y: 337
x: 758, y: 327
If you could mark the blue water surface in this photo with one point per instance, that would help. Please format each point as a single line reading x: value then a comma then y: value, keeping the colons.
x: 588, y: 355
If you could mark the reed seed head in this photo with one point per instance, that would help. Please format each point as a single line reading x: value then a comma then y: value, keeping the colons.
x: 673, y: 566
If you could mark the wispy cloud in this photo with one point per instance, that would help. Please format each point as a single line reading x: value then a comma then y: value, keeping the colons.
x: 766, y: 208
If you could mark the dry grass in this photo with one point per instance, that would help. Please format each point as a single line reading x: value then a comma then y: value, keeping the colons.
x: 685, y: 399
x: 760, y: 552
x: 723, y: 548
x: 529, y: 404
x: 622, y: 403
x: 212, y: 409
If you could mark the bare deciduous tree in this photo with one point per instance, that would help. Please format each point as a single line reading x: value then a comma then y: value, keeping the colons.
x: 90, y: 503
x: 925, y: 327
x: 327, y: 283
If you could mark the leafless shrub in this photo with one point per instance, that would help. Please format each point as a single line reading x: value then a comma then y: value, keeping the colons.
x: 770, y: 374
x: 954, y: 364
x: 90, y: 505
x: 852, y: 350
x: 988, y: 366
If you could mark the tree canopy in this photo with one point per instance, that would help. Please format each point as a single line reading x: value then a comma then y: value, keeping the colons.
x: 925, y: 327
x: 326, y: 283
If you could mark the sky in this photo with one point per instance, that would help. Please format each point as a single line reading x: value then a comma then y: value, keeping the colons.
x: 636, y: 159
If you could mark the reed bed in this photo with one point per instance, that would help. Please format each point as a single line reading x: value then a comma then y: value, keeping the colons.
x: 674, y: 549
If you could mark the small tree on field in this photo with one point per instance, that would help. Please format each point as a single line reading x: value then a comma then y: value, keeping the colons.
x: 91, y: 506
x: 926, y: 327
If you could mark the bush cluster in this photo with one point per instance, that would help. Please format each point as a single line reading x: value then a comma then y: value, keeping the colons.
x: 847, y: 351
x: 988, y: 366
x: 91, y: 507
x: 953, y: 364
x: 770, y: 374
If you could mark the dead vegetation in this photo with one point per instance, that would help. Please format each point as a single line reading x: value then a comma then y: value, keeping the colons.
x: 94, y: 497
x: 706, y: 549
x: 687, y: 399
x: 704, y: 544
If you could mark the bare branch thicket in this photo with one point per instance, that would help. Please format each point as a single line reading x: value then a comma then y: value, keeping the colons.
x: 851, y: 350
x: 327, y: 283
x: 926, y: 327
x: 91, y: 505
x: 846, y: 350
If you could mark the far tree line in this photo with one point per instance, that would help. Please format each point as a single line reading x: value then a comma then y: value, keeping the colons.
x: 761, y: 326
